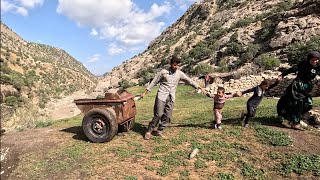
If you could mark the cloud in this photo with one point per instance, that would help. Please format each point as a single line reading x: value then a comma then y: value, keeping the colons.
x: 29, y: 3
x: 19, y: 6
x: 93, y: 32
x: 121, y: 22
x: 94, y: 58
x: 115, y: 49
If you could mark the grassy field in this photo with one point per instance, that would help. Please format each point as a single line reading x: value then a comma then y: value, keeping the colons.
x: 266, y: 150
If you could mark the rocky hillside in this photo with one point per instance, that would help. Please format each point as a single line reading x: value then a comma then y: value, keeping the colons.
x: 217, y: 36
x: 33, y: 73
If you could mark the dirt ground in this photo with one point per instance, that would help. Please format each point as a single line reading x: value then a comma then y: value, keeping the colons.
x: 15, y: 144
x: 39, y: 141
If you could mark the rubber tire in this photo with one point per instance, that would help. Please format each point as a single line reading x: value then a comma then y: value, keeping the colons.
x: 110, y: 123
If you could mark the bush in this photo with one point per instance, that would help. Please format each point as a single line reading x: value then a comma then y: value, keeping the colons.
x: 186, y: 59
x: 124, y: 84
x: 250, y: 52
x: 12, y: 101
x: 201, y: 69
x: 223, y: 66
x: 216, y: 31
x: 201, y: 51
x: 145, y: 75
x: 299, y: 50
x: 234, y: 48
x: 31, y: 77
x: 266, y: 33
x: 268, y: 61
x: 225, y: 4
x: 243, y: 22
x: 283, y: 6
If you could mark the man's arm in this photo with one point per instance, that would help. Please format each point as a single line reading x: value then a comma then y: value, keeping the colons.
x: 184, y: 77
x: 155, y: 80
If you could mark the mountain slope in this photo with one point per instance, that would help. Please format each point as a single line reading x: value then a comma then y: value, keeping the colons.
x: 223, y: 35
x: 33, y: 73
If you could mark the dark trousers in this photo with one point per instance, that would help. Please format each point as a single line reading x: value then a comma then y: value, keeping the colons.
x: 162, y: 113
x: 251, y: 111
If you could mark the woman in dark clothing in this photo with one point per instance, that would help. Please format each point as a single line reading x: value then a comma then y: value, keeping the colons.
x: 254, y: 101
x: 297, y: 99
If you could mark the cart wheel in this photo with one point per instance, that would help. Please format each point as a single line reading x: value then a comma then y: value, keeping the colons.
x: 99, y: 125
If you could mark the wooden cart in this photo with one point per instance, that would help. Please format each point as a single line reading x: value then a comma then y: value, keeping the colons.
x: 103, y: 118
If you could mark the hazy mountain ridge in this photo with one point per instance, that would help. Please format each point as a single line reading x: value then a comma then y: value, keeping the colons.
x: 33, y: 73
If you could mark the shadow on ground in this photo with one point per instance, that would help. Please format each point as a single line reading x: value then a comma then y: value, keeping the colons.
x: 79, y: 135
x: 139, y: 128
x: 267, y: 121
x: 77, y: 131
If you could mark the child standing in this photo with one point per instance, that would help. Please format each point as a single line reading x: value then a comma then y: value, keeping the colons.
x: 255, y: 99
x: 218, y: 103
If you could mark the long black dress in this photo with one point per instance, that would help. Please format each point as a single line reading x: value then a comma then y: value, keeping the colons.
x: 297, y: 99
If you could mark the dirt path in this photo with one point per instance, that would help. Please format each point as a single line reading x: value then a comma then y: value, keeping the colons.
x: 65, y: 108
x: 15, y: 144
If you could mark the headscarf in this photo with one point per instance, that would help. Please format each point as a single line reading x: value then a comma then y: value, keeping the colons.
x: 313, y: 54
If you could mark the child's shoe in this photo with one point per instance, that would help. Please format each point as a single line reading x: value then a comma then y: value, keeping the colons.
x: 245, y: 125
x: 147, y: 136
x: 218, y: 126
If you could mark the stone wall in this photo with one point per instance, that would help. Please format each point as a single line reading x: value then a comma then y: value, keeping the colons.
x: 250, y: 81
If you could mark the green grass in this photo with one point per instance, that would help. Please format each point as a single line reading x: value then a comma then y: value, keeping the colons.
x: 261, y: 151
x: 42, y: 124
x: 299, y: 164
x: 273, y: 137
x: 225, y: 176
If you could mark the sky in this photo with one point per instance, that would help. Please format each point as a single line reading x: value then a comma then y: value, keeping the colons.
x: 101, y: 34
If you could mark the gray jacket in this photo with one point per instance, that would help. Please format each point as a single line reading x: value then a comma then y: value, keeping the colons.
x: 169, y: 82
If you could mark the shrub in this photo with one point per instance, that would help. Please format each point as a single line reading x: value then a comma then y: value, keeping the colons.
x: 283, y: 6
x: 299, y: 50
x: 186, y: 59
x: 12, y: 101
x: 268, y: 61
x: 217, y: 31
x: 234, y: 48
x: 124, y: 84
x: 145, y: 75
x: 225, y: 4
x: 243, y: 22
x: 30, y: 77
x: 250, y: 52
x: 202, y: 69
x: 266, y: 33
x: 223, y: 66
x: 200, y: 52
